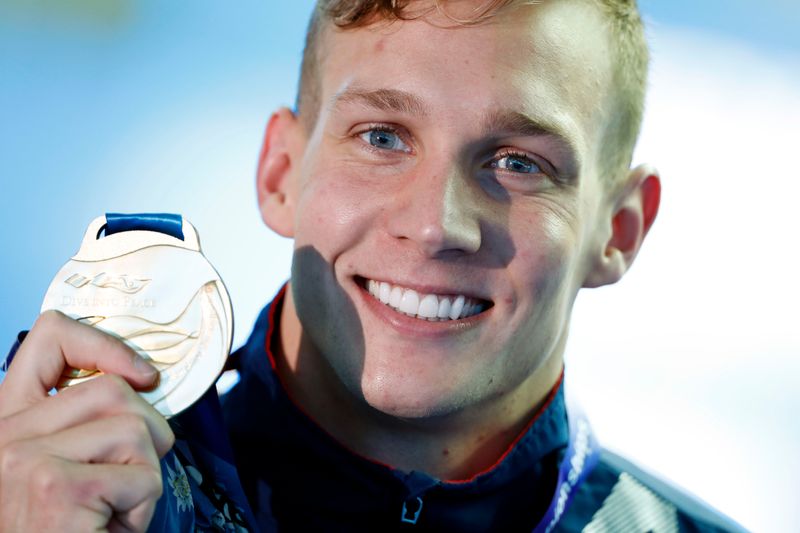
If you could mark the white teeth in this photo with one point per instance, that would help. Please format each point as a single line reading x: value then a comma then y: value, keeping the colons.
x: 410, y: 302
x: 395, y: 297
x: 427, y: 307
x: 444, y: 308
x: 469, y: 310
x: 456, y: 308
x: 385, y: 291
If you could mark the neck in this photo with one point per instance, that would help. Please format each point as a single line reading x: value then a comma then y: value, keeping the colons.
x: 455, y: 446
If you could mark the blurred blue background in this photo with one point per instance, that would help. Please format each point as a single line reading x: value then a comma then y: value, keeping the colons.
x: 689, y: 365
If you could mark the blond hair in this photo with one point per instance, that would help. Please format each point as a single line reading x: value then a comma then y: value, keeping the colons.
x: 628, y: 44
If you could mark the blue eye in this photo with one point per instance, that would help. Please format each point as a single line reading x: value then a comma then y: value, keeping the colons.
x: 517, y: 163
x: 384, y: 139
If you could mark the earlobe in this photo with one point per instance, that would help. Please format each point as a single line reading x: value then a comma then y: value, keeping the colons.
x: 632, y: 217
x: 276, y: 165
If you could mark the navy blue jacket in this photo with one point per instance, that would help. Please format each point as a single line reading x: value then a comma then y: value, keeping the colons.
x: 298, y: 478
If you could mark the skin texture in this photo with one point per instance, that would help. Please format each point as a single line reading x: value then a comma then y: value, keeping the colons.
x: 442, y: 208
x: 85, y: 459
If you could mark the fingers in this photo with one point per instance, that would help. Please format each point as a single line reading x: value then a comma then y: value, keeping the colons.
x: 121, y: 440
x: 79, y: 497
x: 105, y: 396
x: 81, y: 477
x: 130, y: 491
x: 57, y: 341
x: 87, y: 457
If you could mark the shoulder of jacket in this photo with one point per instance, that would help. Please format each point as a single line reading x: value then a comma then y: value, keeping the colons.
x: 638, y: 494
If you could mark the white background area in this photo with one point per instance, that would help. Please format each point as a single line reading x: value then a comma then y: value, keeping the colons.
x: 689, y: 366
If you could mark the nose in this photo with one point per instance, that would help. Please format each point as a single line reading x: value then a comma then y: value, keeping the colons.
x: 438, y: 214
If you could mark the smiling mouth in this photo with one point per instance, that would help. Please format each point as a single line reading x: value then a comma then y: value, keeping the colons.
x: 430, y: 307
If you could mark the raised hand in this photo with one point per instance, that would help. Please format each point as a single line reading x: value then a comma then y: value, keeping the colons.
x: 85, y: 459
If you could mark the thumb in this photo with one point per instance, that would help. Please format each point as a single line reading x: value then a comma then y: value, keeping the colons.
x: 57, y: 342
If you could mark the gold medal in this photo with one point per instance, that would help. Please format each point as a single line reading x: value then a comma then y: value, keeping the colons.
x: 161, y: 296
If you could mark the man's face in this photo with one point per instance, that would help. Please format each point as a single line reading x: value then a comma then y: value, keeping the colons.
x: 451, y: 166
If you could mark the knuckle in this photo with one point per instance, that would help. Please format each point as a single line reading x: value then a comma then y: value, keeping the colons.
x: 154, y: 483
x: 135, y: 430
x: 86, y: 490
x: 115, y: 389
x: 48, y: 319
x: 13, y: 457
x: 134, y: 442
x: 47, y: 481
x: 134, y: 425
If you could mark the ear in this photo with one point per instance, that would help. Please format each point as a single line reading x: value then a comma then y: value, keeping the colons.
x: 633, y: 213
x: 277, y: 166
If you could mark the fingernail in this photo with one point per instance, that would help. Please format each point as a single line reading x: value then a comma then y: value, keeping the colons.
x: 143, y: 367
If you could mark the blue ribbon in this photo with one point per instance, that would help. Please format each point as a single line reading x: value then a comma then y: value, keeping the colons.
x: 13, y: 351
x: 167, y: 223
x: 582, y: 455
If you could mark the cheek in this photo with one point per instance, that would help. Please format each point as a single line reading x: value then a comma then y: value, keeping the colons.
x: 546, y: 251
x: 540, y: 273
x: 332, y: 213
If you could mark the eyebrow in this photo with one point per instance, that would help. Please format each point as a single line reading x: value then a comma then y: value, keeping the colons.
x: 508, y: 123
x: 514, y: 123
x: 502, y: 121
x: 383, y: 100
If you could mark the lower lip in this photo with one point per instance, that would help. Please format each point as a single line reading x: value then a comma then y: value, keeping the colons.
x: 416, y: 326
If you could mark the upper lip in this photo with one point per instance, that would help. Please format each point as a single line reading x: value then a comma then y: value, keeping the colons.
x: 427, y: 288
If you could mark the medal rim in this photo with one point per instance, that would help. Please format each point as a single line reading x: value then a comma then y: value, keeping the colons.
x: 86, y: 255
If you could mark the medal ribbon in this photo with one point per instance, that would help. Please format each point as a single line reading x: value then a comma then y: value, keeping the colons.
x: 13, y: 351
x: 581, y: 456
x: 167, y: 223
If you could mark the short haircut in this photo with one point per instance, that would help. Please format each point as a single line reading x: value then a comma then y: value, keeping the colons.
x: 627, y: 40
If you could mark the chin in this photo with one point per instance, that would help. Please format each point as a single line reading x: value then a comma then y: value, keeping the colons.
x: 411, y: 408
x: 412, y: 398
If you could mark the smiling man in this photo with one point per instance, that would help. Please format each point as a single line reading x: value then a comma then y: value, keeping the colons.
x: 454, y: 174
x: 446, y: 166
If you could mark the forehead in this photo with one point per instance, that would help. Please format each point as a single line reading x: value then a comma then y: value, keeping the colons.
x: 549, y: 61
